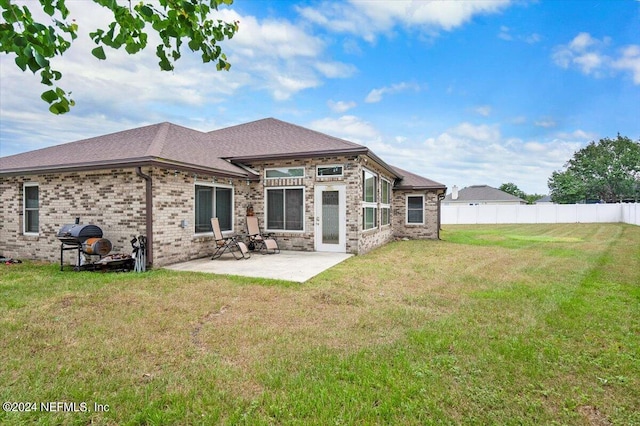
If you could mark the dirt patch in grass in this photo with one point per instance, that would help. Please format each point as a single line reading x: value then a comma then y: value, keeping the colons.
x: 593, y: 416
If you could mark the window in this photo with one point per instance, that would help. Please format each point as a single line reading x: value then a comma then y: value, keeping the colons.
x: 370, y: 218
x: 369, y: 198
x: 370, y: 186
x: 326, y: 171
x: 285, y: 209
x: 283, y: 173
x: 385, y: 202
x: 415, y: 209
x: 31, y: 206
x: 213, y: 201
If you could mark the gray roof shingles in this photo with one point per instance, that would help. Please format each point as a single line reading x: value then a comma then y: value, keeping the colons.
x: 274, y: 138
x: 413, y: 181
x: 215, y: 151
x: 482, y: 193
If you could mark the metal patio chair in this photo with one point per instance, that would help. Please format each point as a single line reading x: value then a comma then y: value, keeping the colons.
x: 224, y: 244
x: 265, y: 244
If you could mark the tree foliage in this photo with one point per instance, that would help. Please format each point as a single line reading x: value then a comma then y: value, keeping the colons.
x: 608, y: 171
x: 512, y: 188
x: 35, y: 44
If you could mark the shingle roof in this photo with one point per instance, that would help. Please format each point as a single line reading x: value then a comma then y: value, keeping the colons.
x: 160, y: 143
x: 271, y: 138
x: 482, y: 193
x: 221, y: 151
x: 413, y: 181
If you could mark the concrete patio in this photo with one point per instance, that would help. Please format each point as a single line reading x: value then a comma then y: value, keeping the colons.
x: 297, y: 266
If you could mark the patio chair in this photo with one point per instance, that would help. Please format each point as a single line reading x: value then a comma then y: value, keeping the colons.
x: 266, y: 244
x: 224, y: 244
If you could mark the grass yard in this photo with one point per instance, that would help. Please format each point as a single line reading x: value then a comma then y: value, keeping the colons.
x: 516, y: 324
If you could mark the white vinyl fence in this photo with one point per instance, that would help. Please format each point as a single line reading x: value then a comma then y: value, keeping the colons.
x: 541, y: 213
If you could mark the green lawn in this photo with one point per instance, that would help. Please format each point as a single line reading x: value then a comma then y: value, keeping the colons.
x: 514, y: 324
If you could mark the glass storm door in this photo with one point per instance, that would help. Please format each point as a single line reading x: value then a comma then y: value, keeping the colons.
x: 330, y: 220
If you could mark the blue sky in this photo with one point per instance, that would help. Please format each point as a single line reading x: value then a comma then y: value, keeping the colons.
x: 462, y: 92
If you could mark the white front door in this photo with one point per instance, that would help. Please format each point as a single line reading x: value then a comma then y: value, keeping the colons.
x: 330, y: 218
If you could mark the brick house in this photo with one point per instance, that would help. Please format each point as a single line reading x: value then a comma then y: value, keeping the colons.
x: 314, y: 191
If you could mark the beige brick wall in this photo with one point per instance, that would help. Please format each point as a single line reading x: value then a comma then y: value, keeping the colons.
x: 428, y: 230
x: 115, y: 201
x: 111, y: 199
x: 305, y: 240
x: 174, y: 202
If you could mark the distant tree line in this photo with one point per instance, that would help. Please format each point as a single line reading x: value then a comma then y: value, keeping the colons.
x: 512, y: 188
x: 607, y: 171
x: 604, y: 172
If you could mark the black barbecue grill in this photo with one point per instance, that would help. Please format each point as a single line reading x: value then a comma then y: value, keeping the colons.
x: 85, y: 239
x: 75, y: 233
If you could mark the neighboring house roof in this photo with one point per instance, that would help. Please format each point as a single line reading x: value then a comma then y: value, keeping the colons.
x: 545, y: 199
x: 482, y: 193
x: 410, y: 180
x: 221, y: 151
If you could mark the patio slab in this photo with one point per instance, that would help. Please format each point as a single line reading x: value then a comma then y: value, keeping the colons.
x: 297, y: 266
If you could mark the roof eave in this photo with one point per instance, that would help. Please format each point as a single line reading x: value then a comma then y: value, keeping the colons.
x: 134, y: 162
x: 419, y: 188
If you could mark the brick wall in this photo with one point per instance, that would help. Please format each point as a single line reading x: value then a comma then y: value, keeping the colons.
x: 174, y: 202
x: 111, y: 199
x: 304, y: 240
x: 428, y: 230
x: 115, y: 201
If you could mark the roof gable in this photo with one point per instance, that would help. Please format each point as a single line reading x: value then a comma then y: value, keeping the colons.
x: 272, y: 138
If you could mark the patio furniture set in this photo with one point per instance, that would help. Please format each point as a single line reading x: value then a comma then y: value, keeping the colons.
x: 255, y: 241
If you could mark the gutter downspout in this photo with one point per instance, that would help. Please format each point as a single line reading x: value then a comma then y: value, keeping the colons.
x: 149, y: 213
x: 441, y: 197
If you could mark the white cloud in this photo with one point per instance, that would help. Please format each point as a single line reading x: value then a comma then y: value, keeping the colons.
x: 375, y: 95
x: 594, y: 57
x: 505, y: 34
x: 340, y: 106
x: 630, y: 61
x: 335, y: 69
x: 274, y: 56
x: 483, y: 132
x: 348, y: 127
x: 368, y: 19
x: 469, y: 154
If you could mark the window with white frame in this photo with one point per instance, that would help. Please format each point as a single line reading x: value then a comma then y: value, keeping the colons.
x: 213, y: 201
x: 415, y: 209
x: 369, y: 200
x: 285, y: 209
x: 284, y: 172
x: 329, y: 171
x: 385, y: 202
x: 31, y: 207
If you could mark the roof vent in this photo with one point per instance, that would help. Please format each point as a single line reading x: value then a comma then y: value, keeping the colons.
x: 454, y: 192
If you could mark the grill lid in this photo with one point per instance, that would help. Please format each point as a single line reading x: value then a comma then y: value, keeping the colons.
x: 77, y: 234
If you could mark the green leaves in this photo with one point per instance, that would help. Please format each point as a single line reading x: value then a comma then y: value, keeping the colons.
x: 59, y: 100
x: 98, y: 52
x: 34, y: 43
x: 608, y: 170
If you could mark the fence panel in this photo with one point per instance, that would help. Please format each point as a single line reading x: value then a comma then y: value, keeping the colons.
x: 541, y: 213
x: 631, y: 213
